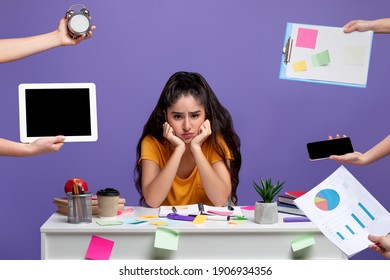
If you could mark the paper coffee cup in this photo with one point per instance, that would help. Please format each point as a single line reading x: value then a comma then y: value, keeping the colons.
x: 108, y: 199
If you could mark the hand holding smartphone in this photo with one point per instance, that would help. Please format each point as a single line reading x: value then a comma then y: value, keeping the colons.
x: 324, y: 149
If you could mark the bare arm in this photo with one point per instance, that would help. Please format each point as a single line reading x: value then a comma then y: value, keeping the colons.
x: 157, y: 183
x: 18, y: 48
x: 378, y: 25
x: 40, y: 146
x: 215, y: 178
x: 377, y: 152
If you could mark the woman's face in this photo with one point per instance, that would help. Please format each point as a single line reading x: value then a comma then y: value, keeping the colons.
x: 185, y: 117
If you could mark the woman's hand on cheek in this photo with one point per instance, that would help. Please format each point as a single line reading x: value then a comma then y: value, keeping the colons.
x: 204, y: 133
x: 169, y: 134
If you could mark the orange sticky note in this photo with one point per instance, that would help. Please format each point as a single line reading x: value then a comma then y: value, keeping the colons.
x: 99, y: 248
x: 199, y: 219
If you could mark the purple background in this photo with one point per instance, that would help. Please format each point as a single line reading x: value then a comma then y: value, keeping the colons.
x: 237, y: 46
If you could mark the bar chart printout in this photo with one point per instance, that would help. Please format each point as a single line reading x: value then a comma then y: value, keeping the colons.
x: 345, y: 211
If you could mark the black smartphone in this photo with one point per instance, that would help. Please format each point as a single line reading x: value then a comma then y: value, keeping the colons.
x: 324, y: 149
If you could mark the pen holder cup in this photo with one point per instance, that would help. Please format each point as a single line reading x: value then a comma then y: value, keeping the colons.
x: 79, y: 208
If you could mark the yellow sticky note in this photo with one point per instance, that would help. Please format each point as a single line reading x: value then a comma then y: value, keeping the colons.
x: 157, y: 223
x: 148, y: 217
x: 236, y: 222
x: 199, y: 219
x: 300, y: 66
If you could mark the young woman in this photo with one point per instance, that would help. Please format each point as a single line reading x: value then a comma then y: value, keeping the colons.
x: 188, y: 152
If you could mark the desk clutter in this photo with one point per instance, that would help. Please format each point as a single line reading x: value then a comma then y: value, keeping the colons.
x: 62, y: 205
x: 167, y: 227
x: 286, y: 203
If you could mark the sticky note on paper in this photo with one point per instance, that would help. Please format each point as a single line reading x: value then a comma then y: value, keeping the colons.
x: 302, y: 242
x: 199, y: 219
x: 320, y: 59
x: 99, y: 248
x: 307, y: 38
x: 354, y: 55
x: 300, y: 66
x: 166, y: 238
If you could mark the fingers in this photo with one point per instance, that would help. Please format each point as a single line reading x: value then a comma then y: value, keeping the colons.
x: 350, y: 26
x: 330, y: 137
x: 59, y: 139
x: 374, y: 238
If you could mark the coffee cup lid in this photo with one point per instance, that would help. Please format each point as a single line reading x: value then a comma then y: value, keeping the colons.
x: 108, y: 192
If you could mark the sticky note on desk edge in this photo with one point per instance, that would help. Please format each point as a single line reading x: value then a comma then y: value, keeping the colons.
x: 99, y: 248
x: 302, y: 242
x: 166, y: 238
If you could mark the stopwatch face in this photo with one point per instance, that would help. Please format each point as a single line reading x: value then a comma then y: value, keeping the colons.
x: 78, y: 24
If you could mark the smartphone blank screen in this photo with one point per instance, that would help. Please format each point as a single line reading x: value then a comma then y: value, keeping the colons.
x: 324, y: 149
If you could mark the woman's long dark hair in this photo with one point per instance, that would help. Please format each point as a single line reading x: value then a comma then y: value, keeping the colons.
x: 184, y: 84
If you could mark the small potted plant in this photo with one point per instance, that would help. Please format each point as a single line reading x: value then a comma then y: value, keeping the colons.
x: 266, y: 210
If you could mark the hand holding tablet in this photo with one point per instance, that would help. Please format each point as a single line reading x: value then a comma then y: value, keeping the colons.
x: 52, y: 109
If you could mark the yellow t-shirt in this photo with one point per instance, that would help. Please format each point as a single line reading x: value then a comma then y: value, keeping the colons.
x: 184, y: 191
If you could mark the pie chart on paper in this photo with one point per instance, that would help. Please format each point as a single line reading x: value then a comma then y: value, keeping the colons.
x: 327, y: 200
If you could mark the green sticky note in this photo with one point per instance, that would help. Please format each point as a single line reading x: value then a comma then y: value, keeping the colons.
x: 320, y: 59
x: 302, y: 242
x: 108, y: 223
x: 166, y: 238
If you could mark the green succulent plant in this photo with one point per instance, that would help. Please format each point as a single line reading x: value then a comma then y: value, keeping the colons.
x: 267, y: 190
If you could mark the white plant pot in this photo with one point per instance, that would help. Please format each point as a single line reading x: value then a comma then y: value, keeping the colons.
x: 266, y: 213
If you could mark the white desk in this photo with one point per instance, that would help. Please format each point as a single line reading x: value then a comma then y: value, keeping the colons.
x: 211, y: 240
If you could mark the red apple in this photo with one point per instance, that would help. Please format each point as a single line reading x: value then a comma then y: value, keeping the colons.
x: 78, y: 182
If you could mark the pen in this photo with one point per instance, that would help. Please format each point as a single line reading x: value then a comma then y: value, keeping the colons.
x: 201, y: 208
x: 174, y: 209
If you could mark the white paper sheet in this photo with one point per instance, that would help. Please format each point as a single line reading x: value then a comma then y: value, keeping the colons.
x: 345, y: 211
x: 349, y: 55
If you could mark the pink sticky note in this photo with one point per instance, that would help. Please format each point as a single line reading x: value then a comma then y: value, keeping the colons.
x: 307, y: 38
x: 99, y: 248
x: 250, y: 207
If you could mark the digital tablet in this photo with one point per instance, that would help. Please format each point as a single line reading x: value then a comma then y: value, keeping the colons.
x: 53, y: 109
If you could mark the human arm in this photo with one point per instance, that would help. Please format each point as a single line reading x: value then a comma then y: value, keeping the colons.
x: 216, y: 177
x: 17, y: 48
x: 378, y: 25
x: 40, y: 146
x: 381, y: 244
x: 156, y: 182
x: 377, y: 152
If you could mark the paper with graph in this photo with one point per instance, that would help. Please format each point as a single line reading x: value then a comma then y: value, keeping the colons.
x: 345, y: 211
